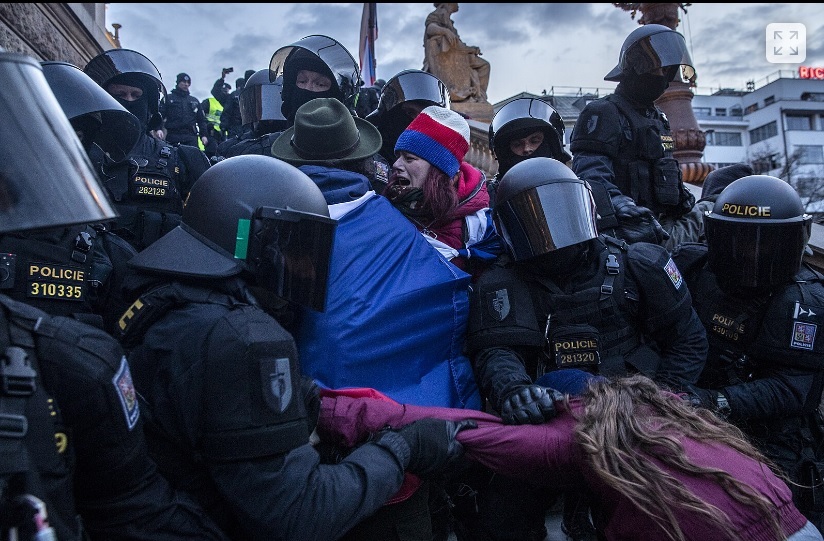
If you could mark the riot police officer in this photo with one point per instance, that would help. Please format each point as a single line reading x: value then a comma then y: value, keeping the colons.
x: 624, y: 142
x: 566, y: 297
x: 402, y: 98
x: 148, y: 186
x: 76, y: 270
x: 230, y: 416
x: 320, y: 67
x: 762, y: 308
x: 525, y: 128
x: 259, y: 102
x: 72, y: 434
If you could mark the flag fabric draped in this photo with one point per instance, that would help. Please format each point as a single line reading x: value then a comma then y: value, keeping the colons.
x: 368, y: 35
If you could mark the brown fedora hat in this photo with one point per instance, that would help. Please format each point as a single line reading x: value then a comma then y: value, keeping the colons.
x: 325, y: 131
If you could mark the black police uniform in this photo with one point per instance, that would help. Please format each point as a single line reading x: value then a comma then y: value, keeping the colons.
x: 71, y: 271
x: 627, y: 146
x: 70, y: 384
x: 626, y: 309
x: 221, y: 383
x: 247, y: 143
x: 149, y: 187
x: 766, y: 357
x: 183, y: 116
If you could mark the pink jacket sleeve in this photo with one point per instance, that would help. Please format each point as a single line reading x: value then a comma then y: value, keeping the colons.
x: 541, y: 454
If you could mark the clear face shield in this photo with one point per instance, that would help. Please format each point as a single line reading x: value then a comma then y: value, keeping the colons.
x: 546, y: 218
x: 290, y: 253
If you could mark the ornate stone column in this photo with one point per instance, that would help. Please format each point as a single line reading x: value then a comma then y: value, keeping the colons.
x: 676, y: 102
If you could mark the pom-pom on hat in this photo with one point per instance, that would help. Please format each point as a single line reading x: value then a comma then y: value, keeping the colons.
x: 439, y: 136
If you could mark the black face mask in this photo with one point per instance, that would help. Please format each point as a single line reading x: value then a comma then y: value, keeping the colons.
x: 561, y: 262
x: 645, y: 88
x: 139, y: 108
x: 298, y: 97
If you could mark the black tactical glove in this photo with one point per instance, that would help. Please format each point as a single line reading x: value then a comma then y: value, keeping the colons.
x: 645, y: 229
x: 311, y: 399
x: 627, y: 209
x: 433, y: 445
x: 529, y: 404
x: 711, y: 399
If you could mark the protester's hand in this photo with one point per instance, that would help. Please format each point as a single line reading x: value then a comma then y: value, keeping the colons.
x: 529, y: 404
x: 433, y: 445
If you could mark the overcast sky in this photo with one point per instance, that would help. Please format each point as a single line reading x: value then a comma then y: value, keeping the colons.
x: 530, y: 47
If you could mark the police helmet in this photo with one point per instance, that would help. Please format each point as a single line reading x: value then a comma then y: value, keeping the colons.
x: 276, y: 229
x: 415, y: 88
x: 541, y: 207
x: 46, y: 178
x: 323, y: 55
x: 128, y: 67
x: 519, y: 118
x: 93, y: 112
x: 650, y: 47
x: 260, y: 100
x: 756, y: 233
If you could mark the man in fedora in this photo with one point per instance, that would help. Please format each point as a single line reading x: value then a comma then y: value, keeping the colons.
x: 382, y: 270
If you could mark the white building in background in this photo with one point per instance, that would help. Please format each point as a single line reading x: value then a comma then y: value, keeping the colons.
x: 775, y: 121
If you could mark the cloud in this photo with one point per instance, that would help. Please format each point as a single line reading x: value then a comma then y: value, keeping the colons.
x: 530, y: 47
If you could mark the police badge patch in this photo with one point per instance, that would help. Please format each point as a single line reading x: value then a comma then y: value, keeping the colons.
x: 124, y: 387
x: 592, y: 123
x: 498, y: 304
x: 803, y: 335
x: 674, y: 274
x: 276, y: 377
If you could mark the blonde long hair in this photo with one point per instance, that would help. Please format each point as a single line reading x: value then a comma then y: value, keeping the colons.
x: 627, y: 420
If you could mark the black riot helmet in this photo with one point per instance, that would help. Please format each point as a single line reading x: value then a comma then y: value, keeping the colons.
x: 260, y: 103
x: 650, y: 47
x: 756, y: 233
x: 417, y: 90
x: 276, y: 230
x: 46, y: 178
x: 519, y: 118
x: 541, y: 207
x: 128, y: 67
x: 320, y: 54
x: 96, y: 116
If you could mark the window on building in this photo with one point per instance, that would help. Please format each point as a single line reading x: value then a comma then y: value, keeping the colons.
x: 809, y: 154
x: 736, y: 111
x: 751, y: 108
x: 769, y: 100
x: 800, y: 122
x: 720, y: 111
x: 764, y: 132
x: 724, y: 139
x: 702, y: 111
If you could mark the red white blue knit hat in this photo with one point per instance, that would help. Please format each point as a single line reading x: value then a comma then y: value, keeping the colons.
x: 439, y: 136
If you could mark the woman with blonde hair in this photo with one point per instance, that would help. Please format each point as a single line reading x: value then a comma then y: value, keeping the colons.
x: 657, y: 468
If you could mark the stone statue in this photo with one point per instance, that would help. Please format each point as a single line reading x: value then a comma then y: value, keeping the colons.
x: 448, y: 58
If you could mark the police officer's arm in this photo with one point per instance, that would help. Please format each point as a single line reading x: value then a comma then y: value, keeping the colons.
x: 595, y: 144
x: 499, y: 370
x: 193, y: 163
x: 666, y: 314
x: 231, y: 103
x: 779, y: 391
x: 202, y: 125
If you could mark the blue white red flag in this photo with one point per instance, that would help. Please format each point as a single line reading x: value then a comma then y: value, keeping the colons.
x: 368, y: 35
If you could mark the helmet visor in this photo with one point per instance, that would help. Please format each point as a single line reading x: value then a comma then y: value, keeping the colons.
x: 522, y: 108
x: 413, y: 86
x: 46, y: 179
x: 659, y: 51
x: 290, y: 252
x: 333, y: 54
x: 756, y: 254
x: 106, y: 66
x: 261, y: 102
x: 533, y: 223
